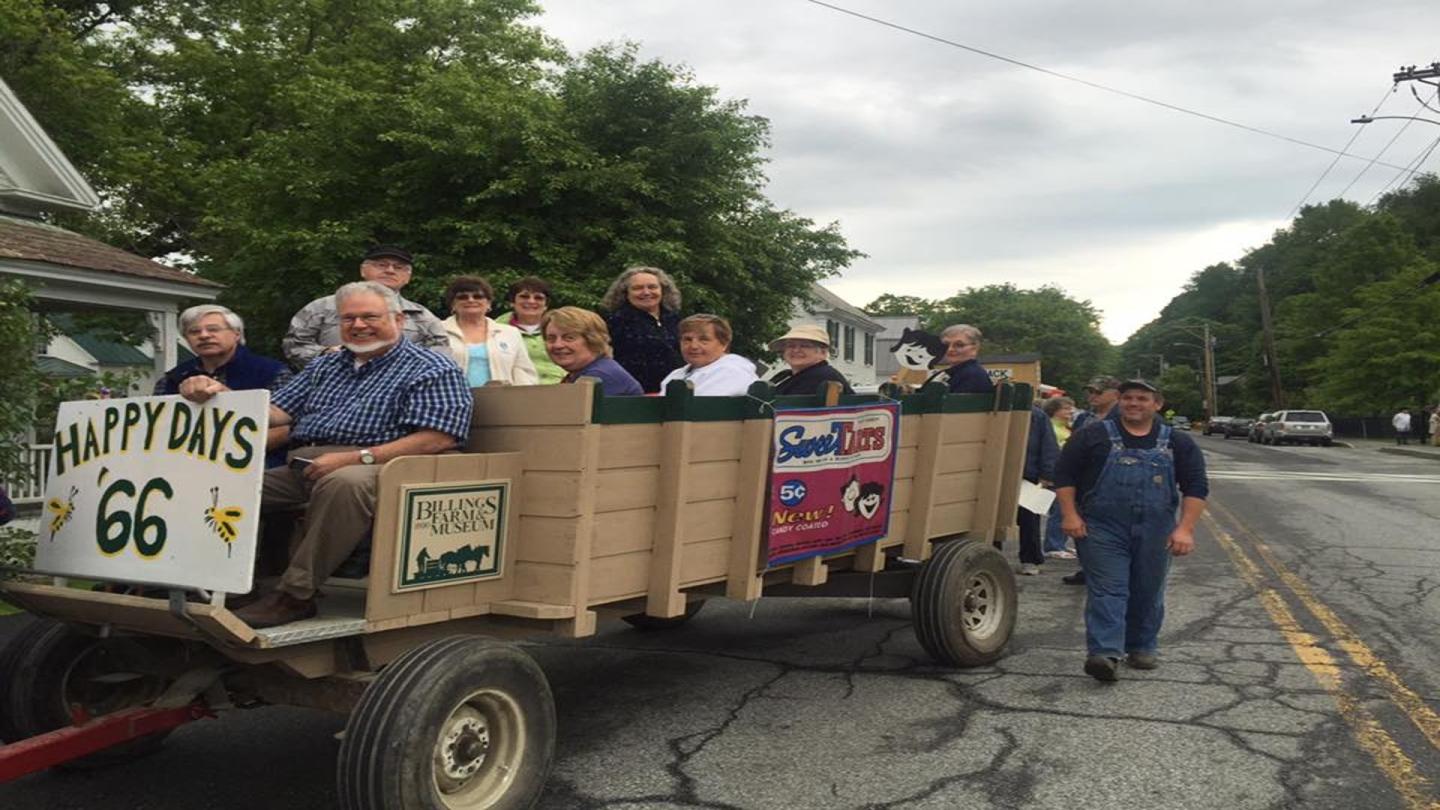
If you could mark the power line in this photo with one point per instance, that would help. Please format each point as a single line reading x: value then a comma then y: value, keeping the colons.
x: 1353, y: 136
x: 1388, y: 144
x: 1086, y: 82
x: 1407, y: 172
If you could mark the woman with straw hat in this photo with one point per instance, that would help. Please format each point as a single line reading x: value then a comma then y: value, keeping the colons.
x: 806, y: 349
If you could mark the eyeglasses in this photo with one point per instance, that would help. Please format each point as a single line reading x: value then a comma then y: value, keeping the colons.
x: 471, y: 296
x: 368, y: 320
x: 958, y: 344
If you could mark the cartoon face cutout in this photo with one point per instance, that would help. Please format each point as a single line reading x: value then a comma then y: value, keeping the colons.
x: 871, y: 496
x: 918, y: 350
x: 849, y: 494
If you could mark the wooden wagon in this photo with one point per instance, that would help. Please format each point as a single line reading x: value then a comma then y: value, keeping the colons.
x: 628, y: 507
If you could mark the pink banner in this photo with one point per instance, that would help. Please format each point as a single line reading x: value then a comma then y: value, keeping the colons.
x: 831, y: 473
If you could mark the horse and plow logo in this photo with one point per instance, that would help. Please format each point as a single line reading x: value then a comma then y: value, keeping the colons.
x: 450, y: 533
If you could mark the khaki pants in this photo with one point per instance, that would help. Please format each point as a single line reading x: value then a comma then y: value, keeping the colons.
x: 339, y: 509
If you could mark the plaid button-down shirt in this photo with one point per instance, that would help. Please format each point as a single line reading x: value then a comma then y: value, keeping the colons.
x: 393, y: 395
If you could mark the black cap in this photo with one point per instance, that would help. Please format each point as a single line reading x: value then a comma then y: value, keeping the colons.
x: 1130, y: 385
x: 1102, y: 383
x: 388, y: 252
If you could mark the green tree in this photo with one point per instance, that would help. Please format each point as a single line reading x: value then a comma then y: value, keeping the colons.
x: 19, y: 381
x: 1063, y: 330
x: 889, y: 304
x: 1181, y: 387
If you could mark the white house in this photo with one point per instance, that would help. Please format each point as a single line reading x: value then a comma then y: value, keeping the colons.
x: 852, y: 332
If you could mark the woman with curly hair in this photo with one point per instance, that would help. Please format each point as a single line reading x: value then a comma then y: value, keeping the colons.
x: 644, y: 321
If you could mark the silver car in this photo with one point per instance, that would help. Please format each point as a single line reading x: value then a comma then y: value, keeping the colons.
x: 1299, y: 427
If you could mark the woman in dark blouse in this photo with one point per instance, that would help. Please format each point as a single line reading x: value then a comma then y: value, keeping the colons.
x: 644, y: 320
x: 806, y: 349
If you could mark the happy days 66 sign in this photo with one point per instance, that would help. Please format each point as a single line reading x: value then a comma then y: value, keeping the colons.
x: 156, y: 490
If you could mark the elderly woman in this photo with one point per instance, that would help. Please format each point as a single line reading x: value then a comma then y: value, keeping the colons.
x: 217, y: 338
x: 962, y: 345
x: 1061, y: 411
x: 486, y: 350
x: 806, y: 349
x: 709, y: 367
x: 528, y: 299
x: 643, y: 303
x: 578, y: 342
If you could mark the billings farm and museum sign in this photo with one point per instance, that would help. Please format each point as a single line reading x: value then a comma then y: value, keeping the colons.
x: 451, y: 533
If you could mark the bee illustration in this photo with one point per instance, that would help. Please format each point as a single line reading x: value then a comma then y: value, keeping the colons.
x: 63, y: 510
x: 222, y: 520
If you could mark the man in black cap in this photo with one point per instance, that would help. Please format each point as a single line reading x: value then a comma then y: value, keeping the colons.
x: 1119, y: 484
x: 315, y: 329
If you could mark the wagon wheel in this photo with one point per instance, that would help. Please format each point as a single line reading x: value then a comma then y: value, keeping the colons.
x: 646, y: 622
x: 9, y: 655
x: 964, y: 603
x: 56, y: 673
x: 457, y: 723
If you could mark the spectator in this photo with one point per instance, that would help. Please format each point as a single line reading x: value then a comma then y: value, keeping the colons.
x: 1041, y: 451
x: 485, y: 349
x: 1435, y: 426
x: 379, y: 397
x: 806, y: 349
x: 579, y: 343
x: 711, y: 370
x: 962, y: 346
x: 217, y: 338
x: 528, y: 299
x: 315, y: 329
x: 1103, y: 393
x: 1060, y: 410
x: 644, y: 305
x: 1401, y: 423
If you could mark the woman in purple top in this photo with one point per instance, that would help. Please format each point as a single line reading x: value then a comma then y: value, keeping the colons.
x: 578, y: 342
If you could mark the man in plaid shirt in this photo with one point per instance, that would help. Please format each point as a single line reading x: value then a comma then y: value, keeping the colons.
x: 349, y: 412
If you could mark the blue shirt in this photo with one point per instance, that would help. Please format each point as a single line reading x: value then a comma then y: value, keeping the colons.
x: 970, y: 378
x: 404, y: 390
x: 477, y: 371
x: 615, y: 381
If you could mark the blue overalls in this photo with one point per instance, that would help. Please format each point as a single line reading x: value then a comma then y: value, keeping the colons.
x: 1129, y: 515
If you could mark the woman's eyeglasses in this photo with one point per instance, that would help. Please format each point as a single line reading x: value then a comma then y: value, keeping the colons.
x: 471, y: 296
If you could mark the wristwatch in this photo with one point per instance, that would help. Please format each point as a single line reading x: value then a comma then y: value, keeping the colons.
x: 366, y: 457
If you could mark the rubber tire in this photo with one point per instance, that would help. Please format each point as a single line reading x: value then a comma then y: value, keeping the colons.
x: 647, y: 623
x: 937, y: 597
x: 9, y: 656
x: 33, y: 699
x: 386, y: 759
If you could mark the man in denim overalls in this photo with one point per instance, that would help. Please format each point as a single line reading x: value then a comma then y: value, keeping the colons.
x: 1119, y: 484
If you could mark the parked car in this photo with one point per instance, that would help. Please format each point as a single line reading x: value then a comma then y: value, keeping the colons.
x: 1257, y: 428
x: 1299, y: 427
x: 1238, y: 426
x: 1218, y: 424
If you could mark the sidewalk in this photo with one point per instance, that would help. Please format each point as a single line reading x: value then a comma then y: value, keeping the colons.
x: 1414, y: 448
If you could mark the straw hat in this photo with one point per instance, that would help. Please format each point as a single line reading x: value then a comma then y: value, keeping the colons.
x: 807, y: 331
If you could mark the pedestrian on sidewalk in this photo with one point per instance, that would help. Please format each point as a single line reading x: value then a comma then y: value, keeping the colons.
x: 1401, y: 422
x: 1119, y: 485
x: 1060, y: 410
x: 1102, y: 392
x: 1435, y: 425
x: 1041, y: 452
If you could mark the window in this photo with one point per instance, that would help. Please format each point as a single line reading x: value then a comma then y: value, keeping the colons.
x: 869, y: 349
x: 833, y: 329
x: 849, y: 343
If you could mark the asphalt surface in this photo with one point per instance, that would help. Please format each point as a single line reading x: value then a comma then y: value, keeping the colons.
x: 825, y: 703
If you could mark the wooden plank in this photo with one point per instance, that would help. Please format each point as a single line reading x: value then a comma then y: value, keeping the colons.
x: 964, y: 457
x: 543, y: 582
x: 992, y: 473
x: 620, y: 576
x: 712, y: 480
x: 869, y: 558
x: 1005, y: 514
x: 905, y: 461
x: 704, y: 561
x: 525, y: 405
x: 917, y: 532
x: 749, y: 520
x: 902, y: 494
x: 676, y: 475
x: 909, y: 431
x: 964, y: 427
x: 532, y: 610
x: 955, y: 487
x: 550, y: 494
x: 810, y: 571
x: 630, y: 488
x: 715, y: 441
x: 707, y: 520
x: 93, y: 607
x: 952, y: 518
x: 551, y: 449
x: 584, y: 621
x: 546, y: 539
x: 629, y: 446
x: 623, y: 532
x: 380, y: 603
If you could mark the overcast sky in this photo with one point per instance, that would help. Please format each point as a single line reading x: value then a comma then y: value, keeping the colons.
x: 950, y: 169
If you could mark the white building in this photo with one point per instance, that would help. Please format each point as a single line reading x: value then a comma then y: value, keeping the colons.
x: 852, y: 333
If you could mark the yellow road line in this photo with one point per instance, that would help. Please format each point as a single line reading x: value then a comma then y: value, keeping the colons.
x: 1413, y: 706
x: 1414, y: 789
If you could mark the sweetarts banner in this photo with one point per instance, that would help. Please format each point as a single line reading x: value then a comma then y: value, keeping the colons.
x: 830, y: 479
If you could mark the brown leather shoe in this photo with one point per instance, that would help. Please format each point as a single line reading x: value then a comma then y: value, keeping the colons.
x: 275, y: 608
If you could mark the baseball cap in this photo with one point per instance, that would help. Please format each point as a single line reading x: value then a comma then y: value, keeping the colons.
x: 1130, y: 385
x: 1102, y: 383
x: 388, y: 252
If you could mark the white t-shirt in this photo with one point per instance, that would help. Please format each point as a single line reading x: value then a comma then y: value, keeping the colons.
x: 1401, y: 421
x: 729, y: 376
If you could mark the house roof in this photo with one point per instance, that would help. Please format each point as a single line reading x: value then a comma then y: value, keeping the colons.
x: 35, y: 175
x: 822, y: 300
x: 55, y: 367
x: 105, y: 351
x: 38, y: 242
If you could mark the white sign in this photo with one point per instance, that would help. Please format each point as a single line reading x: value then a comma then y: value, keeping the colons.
x: 156, y: 490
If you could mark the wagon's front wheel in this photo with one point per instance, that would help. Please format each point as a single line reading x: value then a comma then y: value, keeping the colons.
x: 458, y: 723
x: 964, y: 603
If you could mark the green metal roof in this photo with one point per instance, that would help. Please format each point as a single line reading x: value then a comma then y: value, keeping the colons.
x: 110, y: 353
x: 55, y: 367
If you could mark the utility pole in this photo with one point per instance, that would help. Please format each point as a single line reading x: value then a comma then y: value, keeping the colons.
x: 1412, y: 73
x: 1212, y: 407
x: 1277, y: 395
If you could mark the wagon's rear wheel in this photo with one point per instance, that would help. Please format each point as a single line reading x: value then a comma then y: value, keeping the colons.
x: 9, y: 656
x: 56, y: 673
x: 644, y: 621
x: 461, y: 722
x: 964, y: 603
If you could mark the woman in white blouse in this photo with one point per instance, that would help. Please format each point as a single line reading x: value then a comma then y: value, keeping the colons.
x: 487, y: 350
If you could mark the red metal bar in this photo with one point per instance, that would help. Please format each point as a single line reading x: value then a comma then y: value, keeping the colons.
x: 72, y: 742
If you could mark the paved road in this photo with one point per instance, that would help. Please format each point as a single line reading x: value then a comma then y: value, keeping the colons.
x: 1298, y: 654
